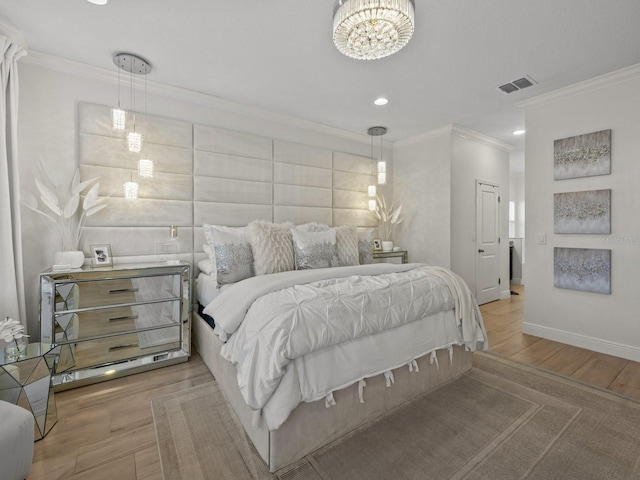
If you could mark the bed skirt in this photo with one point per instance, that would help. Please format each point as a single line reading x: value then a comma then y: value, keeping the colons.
x: 312, y: 425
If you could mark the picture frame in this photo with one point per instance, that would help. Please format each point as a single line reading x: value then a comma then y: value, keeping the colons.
x: 101, y: 256
x: 377, y: 244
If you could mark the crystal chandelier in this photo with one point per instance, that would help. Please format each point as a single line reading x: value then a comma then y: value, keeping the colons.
x: 371, y: 29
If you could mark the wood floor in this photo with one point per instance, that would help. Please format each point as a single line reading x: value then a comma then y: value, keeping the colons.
x: 503, y: 321
x: 106, y: 431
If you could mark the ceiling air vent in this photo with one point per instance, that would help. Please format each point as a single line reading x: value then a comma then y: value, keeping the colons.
x: 516, y: 85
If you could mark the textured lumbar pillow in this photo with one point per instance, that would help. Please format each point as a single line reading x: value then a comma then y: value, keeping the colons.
x: 272, y: 247
x: 231, y: 253
x: 314, y: 249
x: 365, y: 251
x: 347, y: 245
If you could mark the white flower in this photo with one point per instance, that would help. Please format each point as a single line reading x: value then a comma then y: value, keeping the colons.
x: 62, y: 202
x: 11, y: 330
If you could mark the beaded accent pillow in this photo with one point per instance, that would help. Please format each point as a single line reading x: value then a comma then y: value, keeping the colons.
x: 314, y: 249
x: 365, y: 249
x: 347, y: 246
x: 231, y: 253
x: 272, y: 247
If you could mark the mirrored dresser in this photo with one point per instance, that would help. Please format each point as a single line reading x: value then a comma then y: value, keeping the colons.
x: 106, y: 323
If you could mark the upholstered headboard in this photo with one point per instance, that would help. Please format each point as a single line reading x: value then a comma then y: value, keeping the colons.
x: 211, y: 175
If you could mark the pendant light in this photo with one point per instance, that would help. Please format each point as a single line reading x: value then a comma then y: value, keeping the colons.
x: 382, y: 165
x: 135, y: 65
x: 145, y: 164
x: 371, y: 189
x: 118, y: 115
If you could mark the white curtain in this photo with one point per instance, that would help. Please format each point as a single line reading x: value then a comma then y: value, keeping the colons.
x: 12, y: 298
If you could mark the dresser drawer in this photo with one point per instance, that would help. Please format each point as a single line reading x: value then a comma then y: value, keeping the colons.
x: 104, y: 351
x: 118, y: 291
x: 110, y: 321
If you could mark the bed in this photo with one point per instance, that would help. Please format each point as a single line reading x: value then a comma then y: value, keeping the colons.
x: 305, y: 356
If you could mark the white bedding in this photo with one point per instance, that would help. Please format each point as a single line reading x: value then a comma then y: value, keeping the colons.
x: 301, y: 342
x: 207, y: 288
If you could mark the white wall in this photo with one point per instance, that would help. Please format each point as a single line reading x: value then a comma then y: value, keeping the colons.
x: 435, y: 182
x: 422, y: 186
x: 476, y: 159
x: 605, y: 323
x: 51, y: 89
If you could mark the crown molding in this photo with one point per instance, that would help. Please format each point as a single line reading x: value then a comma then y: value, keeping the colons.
x: 480, y: 138
x: 422, y: 137
x: 453, y: 129
x: 580, y: 88
x: 91, y: 72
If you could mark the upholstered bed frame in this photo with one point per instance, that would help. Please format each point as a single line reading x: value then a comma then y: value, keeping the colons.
x: 311, y: 425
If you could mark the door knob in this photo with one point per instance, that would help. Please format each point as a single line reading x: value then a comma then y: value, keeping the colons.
x: 480, y: 250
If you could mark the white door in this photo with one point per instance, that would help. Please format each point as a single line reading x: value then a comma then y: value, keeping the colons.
x: 487, y: 242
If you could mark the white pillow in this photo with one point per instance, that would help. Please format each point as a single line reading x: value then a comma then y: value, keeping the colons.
x: 231, y: 253
x: 365, y: 250
x: 347, y: 245
x: 314, y: 249
x: 205, y: 266
x: 272, y: 247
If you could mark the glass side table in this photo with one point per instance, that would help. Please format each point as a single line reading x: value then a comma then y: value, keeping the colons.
x: 25, y: 381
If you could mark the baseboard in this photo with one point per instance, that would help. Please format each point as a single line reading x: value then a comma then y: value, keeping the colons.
x: 505, y: 294
x: 583, y: 341
x: 516, y: 281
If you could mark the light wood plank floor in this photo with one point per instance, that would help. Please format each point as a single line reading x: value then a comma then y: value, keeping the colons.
x: 106, y: 431
x: 503, y: 321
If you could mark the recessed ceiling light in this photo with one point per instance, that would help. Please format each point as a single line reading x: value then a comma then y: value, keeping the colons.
x: 518, y: 132
x: 381, y: 101
x: 98, y: 2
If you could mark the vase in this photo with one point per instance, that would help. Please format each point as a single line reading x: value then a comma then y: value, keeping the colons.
x: 387, y: 245
x: 15, y: 349
x: 74, y: 258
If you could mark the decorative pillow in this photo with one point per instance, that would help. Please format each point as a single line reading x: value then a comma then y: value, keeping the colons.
x: 313, y: 227
x: 347, y: 246
x: 365, y: 250
x: 314, y: 249
x: 232, y: 254
x: 272, y: 247
x: 205, y: 266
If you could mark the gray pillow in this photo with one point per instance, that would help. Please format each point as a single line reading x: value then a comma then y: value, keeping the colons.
x: 231, y: 253
x: 314, y: 249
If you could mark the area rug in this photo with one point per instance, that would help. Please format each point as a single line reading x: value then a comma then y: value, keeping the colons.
x: 500, y: 420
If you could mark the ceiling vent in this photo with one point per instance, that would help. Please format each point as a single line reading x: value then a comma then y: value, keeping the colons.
x: 516, y: 85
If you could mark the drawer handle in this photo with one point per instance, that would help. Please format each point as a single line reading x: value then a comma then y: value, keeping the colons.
x: 122, y: 347
x: 122, y: 290
x: 127, y: 317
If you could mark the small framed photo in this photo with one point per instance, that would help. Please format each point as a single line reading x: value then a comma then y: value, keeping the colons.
x: 101, y: 255
x: 377, y: 244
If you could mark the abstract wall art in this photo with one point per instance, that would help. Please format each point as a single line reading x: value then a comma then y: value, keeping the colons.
x: 582, y: 156
x: 582, y: 212
x: 585, y: 269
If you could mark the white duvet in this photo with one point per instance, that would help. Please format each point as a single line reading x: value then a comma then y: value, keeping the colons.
x: 298, y: 336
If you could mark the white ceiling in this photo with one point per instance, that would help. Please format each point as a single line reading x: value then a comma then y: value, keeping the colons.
x: 278, y: 55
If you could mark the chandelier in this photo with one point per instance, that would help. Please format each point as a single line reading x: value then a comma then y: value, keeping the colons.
x: 371, y: 29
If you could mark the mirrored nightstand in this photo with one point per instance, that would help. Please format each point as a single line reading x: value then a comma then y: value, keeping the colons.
x: 25, y: 380
x: 379, y: 256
